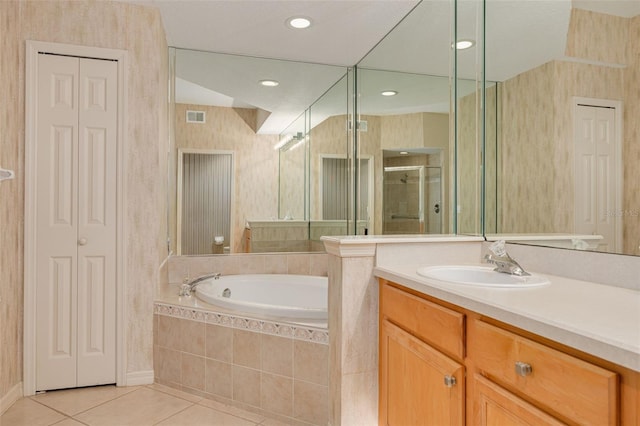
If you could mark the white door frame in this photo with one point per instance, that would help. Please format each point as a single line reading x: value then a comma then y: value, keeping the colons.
x: 33, y: 49
x: 617, y: 105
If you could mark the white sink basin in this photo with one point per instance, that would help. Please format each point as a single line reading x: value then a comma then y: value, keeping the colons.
x: 483, y: 276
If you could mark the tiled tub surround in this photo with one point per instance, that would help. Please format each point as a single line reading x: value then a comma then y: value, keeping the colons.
x: 276, y: 369
x: 271, y: 367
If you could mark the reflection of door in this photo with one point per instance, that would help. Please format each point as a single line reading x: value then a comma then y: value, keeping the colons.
x: 76, y: 222
x: 596, y: 199
x: 412, y: 200
x: 205, y: 188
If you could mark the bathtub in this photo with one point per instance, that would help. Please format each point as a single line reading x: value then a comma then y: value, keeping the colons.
x: 302, y: 297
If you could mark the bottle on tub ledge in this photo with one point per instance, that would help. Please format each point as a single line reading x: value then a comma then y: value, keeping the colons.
x: 218, y: 245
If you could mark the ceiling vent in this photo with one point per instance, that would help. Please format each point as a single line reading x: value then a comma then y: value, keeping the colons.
x: 195, y: 116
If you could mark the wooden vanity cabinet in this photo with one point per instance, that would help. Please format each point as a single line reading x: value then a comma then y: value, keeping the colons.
x: 421, y: 373
x: 493, y: 405
x: 502, y: 375
x: 563, y: 384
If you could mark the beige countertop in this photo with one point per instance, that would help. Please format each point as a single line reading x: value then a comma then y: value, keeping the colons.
x: 598, y: 319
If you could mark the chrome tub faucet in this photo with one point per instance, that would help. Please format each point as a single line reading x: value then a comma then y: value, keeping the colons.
x: 188, y: 285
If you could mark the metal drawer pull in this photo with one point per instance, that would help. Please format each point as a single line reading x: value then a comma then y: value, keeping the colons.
x: 523, y: 369
x: 449, y: 381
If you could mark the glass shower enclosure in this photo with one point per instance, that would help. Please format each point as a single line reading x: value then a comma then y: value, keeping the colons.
x: 412, y: 200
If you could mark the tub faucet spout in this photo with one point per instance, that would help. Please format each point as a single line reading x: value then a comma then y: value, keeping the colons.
x: 188, y: 286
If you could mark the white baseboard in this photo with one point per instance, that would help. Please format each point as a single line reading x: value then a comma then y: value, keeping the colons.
x: 137, y: 378
x: 14, y: 394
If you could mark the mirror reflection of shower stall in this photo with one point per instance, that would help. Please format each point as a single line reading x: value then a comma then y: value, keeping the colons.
x: 412, y: 199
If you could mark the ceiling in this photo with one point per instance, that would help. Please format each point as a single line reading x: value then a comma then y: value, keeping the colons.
x: 520, y: 35
x: 343, y: 31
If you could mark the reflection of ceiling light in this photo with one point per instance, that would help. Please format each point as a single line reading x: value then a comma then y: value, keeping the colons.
x: 290, y: 142
x: 298, y: 22
x: 283, y: 142
x: 464, y: 44
x: 269, y: 83
x: 296, y: 145
x: 404, y: 153
x: 389, y: 93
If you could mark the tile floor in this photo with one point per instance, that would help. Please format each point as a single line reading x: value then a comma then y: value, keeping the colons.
x: 136, y: 406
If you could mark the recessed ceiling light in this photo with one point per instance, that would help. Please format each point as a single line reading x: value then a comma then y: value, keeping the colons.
x: 404, y: 153
x: 389, y: 93
x: 464, y: 44
x: 298, y: 22
x: 269, y: 83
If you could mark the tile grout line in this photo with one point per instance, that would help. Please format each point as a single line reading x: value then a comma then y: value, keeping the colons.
x: 177, y: 412
x: 50, y: 408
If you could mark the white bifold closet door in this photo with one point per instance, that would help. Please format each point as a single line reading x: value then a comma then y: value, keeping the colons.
x: 76, y: 222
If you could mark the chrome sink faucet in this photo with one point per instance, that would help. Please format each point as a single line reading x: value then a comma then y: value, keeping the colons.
x: 188, y: 285
x: 504, y: 263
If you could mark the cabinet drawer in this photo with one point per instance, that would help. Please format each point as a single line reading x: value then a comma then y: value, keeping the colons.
x: 441, y: 327
x: 575, y: 389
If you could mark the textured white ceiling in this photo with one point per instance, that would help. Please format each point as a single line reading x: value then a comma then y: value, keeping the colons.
x: 343, y: 31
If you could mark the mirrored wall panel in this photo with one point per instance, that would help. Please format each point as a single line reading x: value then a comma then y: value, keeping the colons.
x: 563, y: 165
x: 419, y: 96
x: 236, y: 108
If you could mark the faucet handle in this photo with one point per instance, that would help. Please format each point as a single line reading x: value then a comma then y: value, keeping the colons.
x: 185, y: 290
x: 498, y: 248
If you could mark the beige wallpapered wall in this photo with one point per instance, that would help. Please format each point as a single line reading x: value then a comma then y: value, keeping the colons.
x: 631, y: 146
x: 469, y: 170
x: 255, y: 161
x: 537, y: 127
x: 11, y: 196
x: 138, y: 30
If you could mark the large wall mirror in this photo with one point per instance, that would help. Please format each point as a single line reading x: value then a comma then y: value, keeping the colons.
x: 562, y: 158
x: 228, y: 167
x: 418, y: 93
x: 297, y: 172
x: 370, y: 149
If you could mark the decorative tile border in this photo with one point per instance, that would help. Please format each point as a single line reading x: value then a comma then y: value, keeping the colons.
x: 292, y: 331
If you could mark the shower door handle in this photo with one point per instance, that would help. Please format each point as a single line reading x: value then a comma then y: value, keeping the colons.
x: 436, y: 208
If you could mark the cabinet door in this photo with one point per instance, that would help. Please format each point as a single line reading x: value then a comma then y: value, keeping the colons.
x: 495, y: 406
x: 418, y: 384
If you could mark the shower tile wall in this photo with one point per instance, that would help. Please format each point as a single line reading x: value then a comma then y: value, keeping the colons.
x: 278, y: 376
